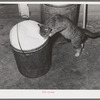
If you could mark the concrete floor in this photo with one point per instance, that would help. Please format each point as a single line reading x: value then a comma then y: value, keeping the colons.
x: 67, y: 71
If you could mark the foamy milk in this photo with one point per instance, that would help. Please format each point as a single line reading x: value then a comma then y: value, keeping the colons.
x: 28, y: 33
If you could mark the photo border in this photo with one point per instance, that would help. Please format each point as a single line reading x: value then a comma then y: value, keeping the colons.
x: 38, y: 94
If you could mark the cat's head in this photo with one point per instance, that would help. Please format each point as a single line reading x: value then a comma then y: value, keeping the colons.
x: 44, y: 31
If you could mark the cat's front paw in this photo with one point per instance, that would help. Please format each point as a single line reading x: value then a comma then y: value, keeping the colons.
x: 77, y: 54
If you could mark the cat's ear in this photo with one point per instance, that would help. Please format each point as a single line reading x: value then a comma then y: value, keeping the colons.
x: 39, y: 25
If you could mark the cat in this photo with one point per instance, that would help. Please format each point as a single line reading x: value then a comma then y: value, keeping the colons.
x: 64, y: 26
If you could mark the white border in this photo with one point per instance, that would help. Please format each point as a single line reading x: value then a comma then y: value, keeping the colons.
x: 48, y: 94
x: 63, y: 2
x: 58, y: 94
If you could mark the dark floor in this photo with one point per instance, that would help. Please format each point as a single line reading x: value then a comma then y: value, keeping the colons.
x: 67, y: 71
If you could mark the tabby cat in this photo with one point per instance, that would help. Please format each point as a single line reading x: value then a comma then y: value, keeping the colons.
x: 62, y: 24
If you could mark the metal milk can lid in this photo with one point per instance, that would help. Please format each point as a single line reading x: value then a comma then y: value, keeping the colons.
x: 26, y: 35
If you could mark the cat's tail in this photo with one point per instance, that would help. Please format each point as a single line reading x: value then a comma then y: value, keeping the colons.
x: 92, y: 35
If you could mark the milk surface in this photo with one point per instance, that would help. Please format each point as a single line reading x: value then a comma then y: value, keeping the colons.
x: 28, y: 33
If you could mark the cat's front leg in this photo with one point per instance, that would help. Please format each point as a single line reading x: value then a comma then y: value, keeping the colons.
x: 53, y: 32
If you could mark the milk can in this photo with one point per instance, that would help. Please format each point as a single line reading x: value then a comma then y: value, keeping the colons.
x: 31, y: 51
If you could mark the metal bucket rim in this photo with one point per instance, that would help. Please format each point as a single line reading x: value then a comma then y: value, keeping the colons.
x: 32, y: 50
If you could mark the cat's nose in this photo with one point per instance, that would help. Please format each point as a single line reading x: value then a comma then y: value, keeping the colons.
x: 45, y: 35
x: 42, y: 34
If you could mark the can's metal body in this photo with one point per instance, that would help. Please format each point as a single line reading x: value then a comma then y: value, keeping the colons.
x: 34, y: 63
x: 70, y: 10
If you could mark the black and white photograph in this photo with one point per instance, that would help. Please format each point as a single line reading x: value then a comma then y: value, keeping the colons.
x: 50, y: 46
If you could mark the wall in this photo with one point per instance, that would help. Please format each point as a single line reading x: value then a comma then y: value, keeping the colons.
x: 93, y: 12
x: 7, y: 11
